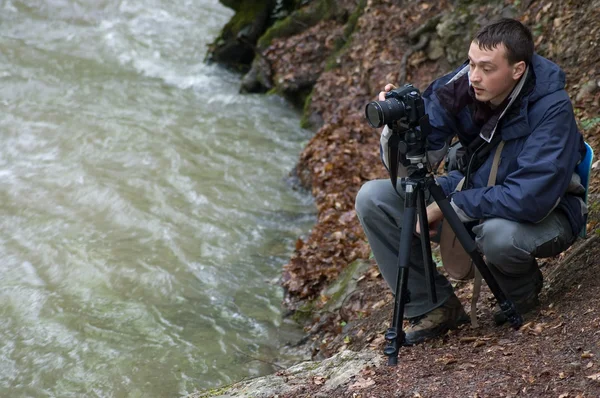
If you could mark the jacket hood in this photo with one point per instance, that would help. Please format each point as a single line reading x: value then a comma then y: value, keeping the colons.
x: 549, y: 78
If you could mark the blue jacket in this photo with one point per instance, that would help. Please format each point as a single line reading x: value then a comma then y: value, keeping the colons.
x: 542, y: 148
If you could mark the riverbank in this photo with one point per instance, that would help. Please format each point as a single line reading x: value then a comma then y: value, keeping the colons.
x: 557, y: 349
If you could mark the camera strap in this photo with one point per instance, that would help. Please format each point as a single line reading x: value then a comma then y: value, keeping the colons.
x: 393, y: 148
x: 475, y: 155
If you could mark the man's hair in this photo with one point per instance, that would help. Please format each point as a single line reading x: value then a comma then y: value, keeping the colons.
x: 515, y: 36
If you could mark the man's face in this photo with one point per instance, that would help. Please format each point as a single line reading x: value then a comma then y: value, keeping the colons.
x: 492, y: 77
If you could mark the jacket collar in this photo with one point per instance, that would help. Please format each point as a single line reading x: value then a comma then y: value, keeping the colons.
x: 456, y: 95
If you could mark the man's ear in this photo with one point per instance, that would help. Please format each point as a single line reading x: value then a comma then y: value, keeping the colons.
x: 518, y: 70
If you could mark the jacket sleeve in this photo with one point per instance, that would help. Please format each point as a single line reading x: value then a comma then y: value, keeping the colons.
x: 450, y: 181
x: 544, y: 169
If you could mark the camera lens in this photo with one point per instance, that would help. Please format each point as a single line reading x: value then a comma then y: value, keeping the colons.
x: 374, y: 114
x: 379, y: 113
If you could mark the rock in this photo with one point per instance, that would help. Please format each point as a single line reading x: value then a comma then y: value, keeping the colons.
x: 456, y: 29
x: 259, y: 78
x: 435, y: 49
x: 344, y: 285
x: 588, y: 88
x: 329, y: 373
x: 234, y: 48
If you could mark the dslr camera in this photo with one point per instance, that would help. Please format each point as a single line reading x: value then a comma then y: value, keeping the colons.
x: 403, y: 112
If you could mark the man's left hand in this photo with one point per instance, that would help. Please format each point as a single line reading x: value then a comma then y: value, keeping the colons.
x: 434, y: 218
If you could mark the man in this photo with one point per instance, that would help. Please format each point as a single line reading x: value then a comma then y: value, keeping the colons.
x: 533, y: 210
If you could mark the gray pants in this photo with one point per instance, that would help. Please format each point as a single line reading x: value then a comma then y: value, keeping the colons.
x: 510, y: 247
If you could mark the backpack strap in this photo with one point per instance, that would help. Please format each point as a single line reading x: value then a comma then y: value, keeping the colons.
x: 477, y: 279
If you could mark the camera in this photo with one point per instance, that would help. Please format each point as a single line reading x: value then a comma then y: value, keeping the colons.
x: 403, y: 112
x: 403, y: 104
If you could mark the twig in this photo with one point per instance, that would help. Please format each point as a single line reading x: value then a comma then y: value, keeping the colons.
x: 258, y: 359
x: 423, y: 40
x: 423, y: 33
x: 427, y: 27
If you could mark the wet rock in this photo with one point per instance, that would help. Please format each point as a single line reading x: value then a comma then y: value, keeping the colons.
x: 259, y: 78
x: 329, y: 374
x: 235, y: 47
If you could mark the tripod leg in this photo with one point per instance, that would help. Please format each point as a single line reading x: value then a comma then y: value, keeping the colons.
x: 395, y: 334
x: 470, y: 247
x: 426, y: 246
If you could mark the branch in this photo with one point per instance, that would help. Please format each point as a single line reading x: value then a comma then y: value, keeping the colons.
x: 258, y: 359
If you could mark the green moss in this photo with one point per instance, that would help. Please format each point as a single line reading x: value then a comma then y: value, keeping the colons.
x: 214, y: 392
x: 343, y: 43
x: 298, y: 21
x: 250, y: 18
x: 353, y: 19
x: 246, y: 15
x: 588, y: 124
x: 304, y: 122
x: 344, y: 284
x: 304, y: 313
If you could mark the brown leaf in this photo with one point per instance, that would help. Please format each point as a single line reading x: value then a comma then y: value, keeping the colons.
x: 362, y: 383
x: 587, y: 354
x: 318, y: 380
x: 589, y: 365
x: 595, y: 377
x: 478, y: 343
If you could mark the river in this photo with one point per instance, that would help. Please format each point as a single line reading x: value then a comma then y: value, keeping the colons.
x: 145, y: 205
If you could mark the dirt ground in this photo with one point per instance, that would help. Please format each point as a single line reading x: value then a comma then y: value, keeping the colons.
x: 557, y: 351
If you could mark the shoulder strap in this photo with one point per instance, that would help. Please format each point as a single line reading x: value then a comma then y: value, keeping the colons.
x: 477, y: 279
x: 495, y: 163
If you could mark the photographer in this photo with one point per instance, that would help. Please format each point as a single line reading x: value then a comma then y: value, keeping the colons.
x: 507, y: 92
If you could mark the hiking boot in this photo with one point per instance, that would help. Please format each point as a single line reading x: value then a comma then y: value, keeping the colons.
x: 436, y: 322
x: 524, y: 305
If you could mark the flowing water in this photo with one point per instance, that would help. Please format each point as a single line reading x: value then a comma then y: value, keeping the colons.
x: 144, y: 203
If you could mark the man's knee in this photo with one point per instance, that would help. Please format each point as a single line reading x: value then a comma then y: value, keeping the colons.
x: 363, y: 199
x: 370, y: 195
x: 496, y: 239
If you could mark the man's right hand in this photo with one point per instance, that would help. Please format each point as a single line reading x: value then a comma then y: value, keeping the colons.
x: 388, y: 87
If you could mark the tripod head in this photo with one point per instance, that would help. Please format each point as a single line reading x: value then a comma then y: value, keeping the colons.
x: 403, y: 111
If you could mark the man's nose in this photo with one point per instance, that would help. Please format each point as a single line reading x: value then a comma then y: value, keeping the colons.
x: 475, y: 76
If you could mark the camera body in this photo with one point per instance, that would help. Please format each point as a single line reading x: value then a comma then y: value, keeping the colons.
x: 403, y: 112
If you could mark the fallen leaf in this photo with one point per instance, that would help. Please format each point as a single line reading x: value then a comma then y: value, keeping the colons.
x: 466, y: 366
x: 557, y: 326
x: 318, y: 380
x: 362, y: 383
x: 587, y: 354
x: 595, y: 377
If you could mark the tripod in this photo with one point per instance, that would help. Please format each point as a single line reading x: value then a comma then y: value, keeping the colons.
x: 414, y: 204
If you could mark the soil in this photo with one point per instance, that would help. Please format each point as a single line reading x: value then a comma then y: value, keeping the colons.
x: 557, y: 351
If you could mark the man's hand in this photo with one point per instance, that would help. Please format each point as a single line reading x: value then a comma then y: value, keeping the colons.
x: 387, y: 88
x: 434, y: 218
